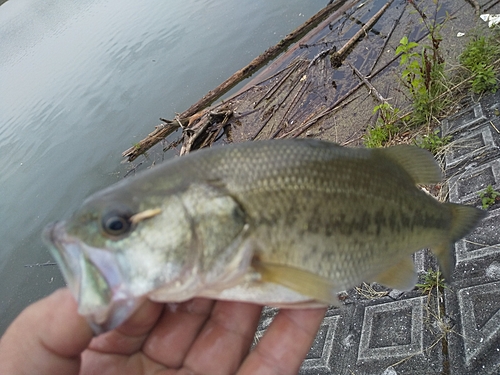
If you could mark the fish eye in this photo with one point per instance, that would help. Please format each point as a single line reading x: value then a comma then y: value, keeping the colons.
x: 116, y: 223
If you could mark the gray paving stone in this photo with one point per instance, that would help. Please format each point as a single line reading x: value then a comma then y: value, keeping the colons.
x: 470, y: 147
x: 466, y: 119
x: 474, y: 342
x: 465, y: 186
x: 483, y: 241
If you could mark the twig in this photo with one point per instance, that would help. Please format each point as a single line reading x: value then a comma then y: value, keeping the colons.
x: 372, y: 88
x: 275, y: 109
x: 322, y: 114
x: 475, y: 4
x: 201, y: 127
x: 277, y: 85
x: 297, y: 96
x: 337, y: 57
x: 396, y: 22
x: 494, y: 127
x: 47, y: 263
x: 321, y: 55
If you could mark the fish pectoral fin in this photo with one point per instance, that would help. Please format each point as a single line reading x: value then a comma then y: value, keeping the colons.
x: 301, y: 281
x: 419, y: 163
x: 401, y: 276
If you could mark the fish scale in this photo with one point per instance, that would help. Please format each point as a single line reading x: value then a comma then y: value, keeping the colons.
x: 282, y: 222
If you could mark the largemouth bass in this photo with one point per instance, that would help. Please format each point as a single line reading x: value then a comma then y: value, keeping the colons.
x: 282, y: 223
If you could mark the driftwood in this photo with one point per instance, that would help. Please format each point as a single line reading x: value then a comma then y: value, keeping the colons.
x: 163, y: 130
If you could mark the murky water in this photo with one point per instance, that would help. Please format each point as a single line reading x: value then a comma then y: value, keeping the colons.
x: 82, y: 81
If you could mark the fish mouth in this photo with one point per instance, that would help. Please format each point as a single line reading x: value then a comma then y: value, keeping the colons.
x: 94, y: 277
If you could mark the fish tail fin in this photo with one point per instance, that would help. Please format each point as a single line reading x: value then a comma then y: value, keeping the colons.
x: 463, y: 220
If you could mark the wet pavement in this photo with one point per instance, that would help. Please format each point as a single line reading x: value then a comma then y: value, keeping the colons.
x: 453, y: 330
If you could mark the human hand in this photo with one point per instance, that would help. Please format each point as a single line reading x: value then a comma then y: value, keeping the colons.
x: 200, y: 336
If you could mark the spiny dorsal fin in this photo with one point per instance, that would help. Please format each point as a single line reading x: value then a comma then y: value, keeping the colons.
x: 401, y: 276
x: 303, y: 282
x: 419, y: 163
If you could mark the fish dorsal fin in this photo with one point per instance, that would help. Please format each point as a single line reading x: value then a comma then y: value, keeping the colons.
x: 301, y: 281
x: 419, y: 163
x: 401, y: 276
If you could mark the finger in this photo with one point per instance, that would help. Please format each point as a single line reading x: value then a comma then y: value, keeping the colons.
x: 225, y: 339
x: 130, y: 336
x: 285, y: 344
x: 46, y: 338
x: 176, y: 330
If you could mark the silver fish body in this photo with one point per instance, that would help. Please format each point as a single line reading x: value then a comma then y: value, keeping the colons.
x: 284, y: 223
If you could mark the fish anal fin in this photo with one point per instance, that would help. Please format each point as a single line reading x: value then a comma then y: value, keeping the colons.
x: 401, y: 276
x: 443, y: 253
x: 419, y: 163
x: 301, y: 281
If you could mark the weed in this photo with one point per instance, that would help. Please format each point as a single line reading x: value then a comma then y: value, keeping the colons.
x: 489, y: 197
x: 385, y: 128
x: 433, y: 142
x: 478, y: 57
x: 424, y: 76
x: 432, y: 279
x: 423, y: 72
x: 379, y: 135
x: 367, y: 291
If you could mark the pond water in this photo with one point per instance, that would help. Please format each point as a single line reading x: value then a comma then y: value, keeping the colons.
x: 82, y: 81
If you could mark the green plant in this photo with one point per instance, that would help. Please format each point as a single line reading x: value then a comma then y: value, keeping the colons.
x: 424, y: 76
x: 489, y: 197
x: 385, y: 128
x: 433, y: 142
x: 388, y: 114
x: 478, y: 57
x: 432, y: 279
x: 423, y: 72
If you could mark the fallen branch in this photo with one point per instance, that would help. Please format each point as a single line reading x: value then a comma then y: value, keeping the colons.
x: 368, y: 84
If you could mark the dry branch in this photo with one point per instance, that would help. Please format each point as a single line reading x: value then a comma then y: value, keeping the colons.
x: 368, y: 84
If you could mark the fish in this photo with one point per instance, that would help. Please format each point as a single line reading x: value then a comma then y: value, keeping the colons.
x: 286, y: 223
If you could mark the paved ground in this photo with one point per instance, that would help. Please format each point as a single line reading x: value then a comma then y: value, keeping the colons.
x: 452, y: 331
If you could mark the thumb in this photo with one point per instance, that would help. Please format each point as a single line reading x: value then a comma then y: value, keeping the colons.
x: 46, y: 338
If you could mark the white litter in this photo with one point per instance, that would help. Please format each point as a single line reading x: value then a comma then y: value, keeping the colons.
x: 492, y: 19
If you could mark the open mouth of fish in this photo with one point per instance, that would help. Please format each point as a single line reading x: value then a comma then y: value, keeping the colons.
x: 94, y: 278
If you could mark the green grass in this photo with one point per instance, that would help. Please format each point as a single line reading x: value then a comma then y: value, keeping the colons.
x: 489, y: 197
x: 432, y: 279
x: 478, y: 57
x: 433, y: 142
